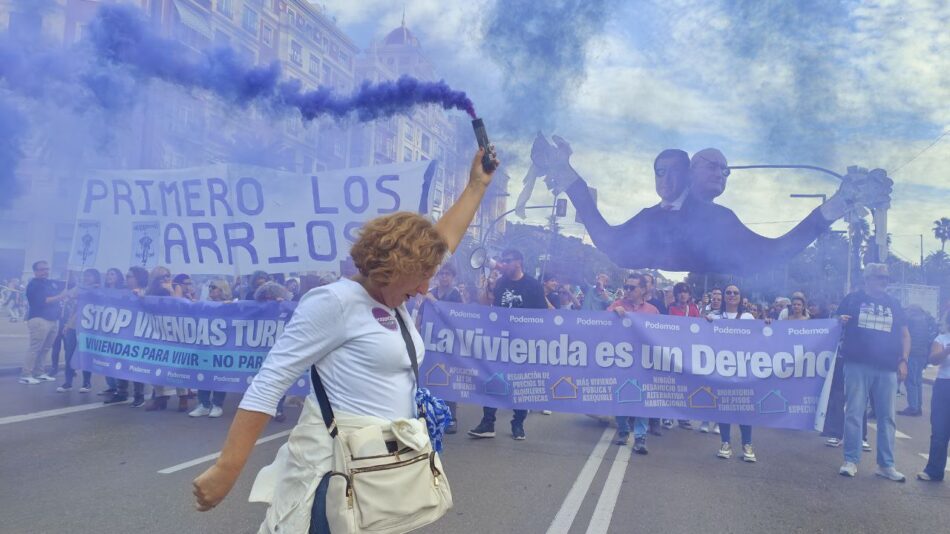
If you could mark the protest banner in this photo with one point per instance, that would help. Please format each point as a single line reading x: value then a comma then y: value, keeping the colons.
x: 235, y: 219
x: 217, y: 346
x: 645, y: 365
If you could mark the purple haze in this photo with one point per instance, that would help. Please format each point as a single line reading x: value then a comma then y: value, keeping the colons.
x: 120, y: 35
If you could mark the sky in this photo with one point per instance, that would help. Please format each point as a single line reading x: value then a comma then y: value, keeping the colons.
x: 821, y: 83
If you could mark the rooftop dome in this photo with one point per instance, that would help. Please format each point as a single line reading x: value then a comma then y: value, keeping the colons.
x: 401, y: 36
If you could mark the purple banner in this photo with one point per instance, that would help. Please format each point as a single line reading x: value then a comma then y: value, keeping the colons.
x: 174, y: 342
x: 729, y: 371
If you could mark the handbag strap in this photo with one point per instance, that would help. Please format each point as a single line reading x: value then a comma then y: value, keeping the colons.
x: 327, y: 411
x: 410, y: 346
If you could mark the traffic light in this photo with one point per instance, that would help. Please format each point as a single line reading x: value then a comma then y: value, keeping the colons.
x: 560, y: 207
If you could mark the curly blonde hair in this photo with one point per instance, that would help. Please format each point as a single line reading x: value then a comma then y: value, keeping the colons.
x: 403, y: 243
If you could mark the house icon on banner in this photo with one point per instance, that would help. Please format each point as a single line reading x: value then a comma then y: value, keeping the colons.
x: 773, y: 402
x: 437, y: 375
x: 629, y: 391
x: 702, y: 398
x: 564, y: 388
x: 497, y: 385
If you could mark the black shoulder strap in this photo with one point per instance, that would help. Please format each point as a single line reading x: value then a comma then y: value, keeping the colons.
x: 325, y: 408
x: 410, y: 346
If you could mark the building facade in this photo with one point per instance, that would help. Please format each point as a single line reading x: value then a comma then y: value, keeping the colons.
x: 169, y: 128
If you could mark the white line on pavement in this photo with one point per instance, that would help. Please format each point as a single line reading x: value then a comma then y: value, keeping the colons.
x: 5, y: 336
x: 575, y: 497
x: 604, y: 511
x: 926, y: 456
x: 208, y: 458
x: 51, y: 413
x: 897, y: 433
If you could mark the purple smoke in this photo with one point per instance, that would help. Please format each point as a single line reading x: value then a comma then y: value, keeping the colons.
x: 120, y: 35
x: 11, y: 130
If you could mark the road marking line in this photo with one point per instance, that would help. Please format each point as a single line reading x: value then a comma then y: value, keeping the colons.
x: 604, y: 511
x: 208, y: 458
x: 926, y: 456
x: 51, y: 413
x: 6, y: 336
x: 575, y: 497
x: 897, y: 433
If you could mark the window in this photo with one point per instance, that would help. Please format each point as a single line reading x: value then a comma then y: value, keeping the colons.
x: 327, y: 78
x: 249, y: 21
x: 407, y: 153
x: 410, y: 135
x: 225, y: 8
x: 314, y: 65
x: 296, y: 52
x: 267, y: 36
x: 425, y: 143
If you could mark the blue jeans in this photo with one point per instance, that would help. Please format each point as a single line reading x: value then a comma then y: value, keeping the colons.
x: 725, y: 431
x: 860, y: 381
x: 205, y: 397
x: 69, y: 340
x: 939, y: 428
x: 488, y: 416
x: 639, y: 426
x: 915, y: 383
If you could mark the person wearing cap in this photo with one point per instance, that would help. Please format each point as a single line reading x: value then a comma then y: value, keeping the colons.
x: 875, y: 346
x: 687, y: 231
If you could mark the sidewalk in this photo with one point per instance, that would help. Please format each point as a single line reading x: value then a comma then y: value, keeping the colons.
x: 14, y: 342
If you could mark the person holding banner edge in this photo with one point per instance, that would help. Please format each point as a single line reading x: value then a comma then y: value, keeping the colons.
x: 398, y: 267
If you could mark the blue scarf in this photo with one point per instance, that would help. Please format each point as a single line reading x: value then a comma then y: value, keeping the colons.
x: 437, y: 415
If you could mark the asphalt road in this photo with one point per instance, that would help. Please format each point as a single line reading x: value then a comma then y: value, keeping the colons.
x: 100, y: 469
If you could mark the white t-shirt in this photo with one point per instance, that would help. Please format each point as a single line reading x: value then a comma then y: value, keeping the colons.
x: 730, y: 315
x: 357, y: 347
x: 944, y: 371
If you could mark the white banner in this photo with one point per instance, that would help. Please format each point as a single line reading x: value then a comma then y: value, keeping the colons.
x: 226, y: 219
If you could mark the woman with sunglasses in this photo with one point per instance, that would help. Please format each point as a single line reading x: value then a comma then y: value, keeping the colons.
x: 210, y: 403
x: 731, y: 309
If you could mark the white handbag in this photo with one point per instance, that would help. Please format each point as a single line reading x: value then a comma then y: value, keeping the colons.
x: 398, y: 486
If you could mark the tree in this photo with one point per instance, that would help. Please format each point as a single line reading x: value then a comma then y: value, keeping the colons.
x: 942, y: 231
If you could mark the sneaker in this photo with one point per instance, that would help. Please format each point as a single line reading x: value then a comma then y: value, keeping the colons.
x: 927, y: 478
x: 622, y: 439
x: 483, y: 430
x: 517, y: 432
x: 280, y: 417
x: 29, y: 380
x: 64, y: 388
x: 685, y: 425
x: 216, y: 411
x: 748, y: 454
x: 116, y: 399
x: 453, y: 428
x: 833, y: 442
x: 725, y: 451
x: 849, y: 469
x: 715, y: 429
x: 909, y: 412
x: 86, y: 388
x: 891, y: 474
x: 667, y: 423
x: 865, y: 446
x: 106, y: 392
x: 640, y: 446
x: 46, y: 378
x: 546, y: 412
x: 182, y: 404
x: 138, y: 402
x: 200, y: 411
x: 704, y: 428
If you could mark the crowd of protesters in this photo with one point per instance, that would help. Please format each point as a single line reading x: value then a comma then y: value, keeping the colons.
x: 883, y: 344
